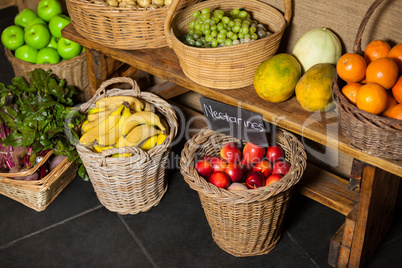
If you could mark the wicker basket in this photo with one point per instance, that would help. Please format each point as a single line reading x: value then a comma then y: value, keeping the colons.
x: 226, y: 67
x: 40, y: 193
x: 137, y: 183
x: 74, y: 70
x: 123, y: 28
x: 373, y: 134
x: 247, y: 222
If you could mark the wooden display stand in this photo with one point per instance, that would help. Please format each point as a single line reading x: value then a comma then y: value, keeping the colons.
x: 369, y: 203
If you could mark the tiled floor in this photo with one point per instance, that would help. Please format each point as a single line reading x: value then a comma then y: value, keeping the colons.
x: 77, y: 231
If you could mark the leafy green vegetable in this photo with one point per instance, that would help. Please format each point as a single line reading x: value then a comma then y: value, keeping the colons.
x: 41, y: 115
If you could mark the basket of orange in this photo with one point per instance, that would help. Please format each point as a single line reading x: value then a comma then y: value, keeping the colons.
x: 368, y: 93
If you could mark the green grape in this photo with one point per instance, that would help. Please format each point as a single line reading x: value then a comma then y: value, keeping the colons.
x: 225, y: 20
x: 197, y: 27
x: 205, y: 16
x: 230, y: 35
x: 213, y: 28
x: 228, y: 42
x: 198, y: 43
x: 231, y: 23
x: 219, y: 26
x: 243, y: 14
x: 236, y: 29
x: 218, y: 15
x: 252, y: 29
x: 189, y: 38
x: 221, y: 36
x: 228, y: 28
x: 207, y: 21
x: 207, y: 45
x: 254, y: 36
x: 196, y: 35
x: 241, y: 35
x: 216, y: 20
x: 244, y: 30
x: 224, y: 31
x: 245, y: 23
x: 247, y: 36
x: 196, y: 14
x: 235, y: 12
x: 220, y: 41
x: 208, y: 38
x: 191, y: 24
x: 191, y: 42
x: 191, y: 31
x: 205, y: 11
x: 206, y: 26
x: 214, y: 33
x: 207, y: 31
x: 234, y: 37
x: 237, y: 22
x: 214, y: 43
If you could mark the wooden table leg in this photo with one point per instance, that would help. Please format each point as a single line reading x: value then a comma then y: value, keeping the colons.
x: 378, y: 194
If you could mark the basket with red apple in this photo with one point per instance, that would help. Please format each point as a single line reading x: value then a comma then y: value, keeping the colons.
x: 35, y: 42
x: 245, y: 192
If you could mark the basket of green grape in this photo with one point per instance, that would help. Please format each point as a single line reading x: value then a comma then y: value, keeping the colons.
x: 221, y: 43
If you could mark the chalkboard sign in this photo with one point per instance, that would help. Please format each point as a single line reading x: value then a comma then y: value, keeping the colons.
x: 235, y: 121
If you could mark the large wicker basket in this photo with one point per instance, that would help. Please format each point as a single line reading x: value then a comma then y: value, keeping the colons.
x: 232, y: 66
x: 246, y: 222
x: 39, y: 194
x: 137, y: 183
x: 120, y: 27
x: 74, y: 70
x: 373, y: 134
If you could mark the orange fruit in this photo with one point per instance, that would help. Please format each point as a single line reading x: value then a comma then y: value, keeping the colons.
x: 350, y: 91
x: 371, y: 98
x: 382, y: 71
x: 396, y: 54
x: 351, y: 67
x: 391, y: 102
x: 376, y: 49
x: 396, y: 112
x: 397, y: 90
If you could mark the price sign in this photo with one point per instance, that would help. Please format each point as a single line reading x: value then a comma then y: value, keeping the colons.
x: 235, y: 121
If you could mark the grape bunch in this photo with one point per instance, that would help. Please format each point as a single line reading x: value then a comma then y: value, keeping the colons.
x: 223, y: 28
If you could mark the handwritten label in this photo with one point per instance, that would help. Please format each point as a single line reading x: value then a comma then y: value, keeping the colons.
x: 235, y: 121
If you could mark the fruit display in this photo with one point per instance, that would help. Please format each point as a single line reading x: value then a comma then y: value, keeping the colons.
x: 240, y: 169
x: 123, y: 121
x: 318, y: 45
x: 374, y: 79
x: 134, y: 3
x: 34, y: 118
x: 216, y: 28
x: 36, y: 37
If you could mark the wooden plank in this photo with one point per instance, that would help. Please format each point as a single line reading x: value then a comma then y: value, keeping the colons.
x: 167, y: 90
x: 7, y: 3
x: 195, y: 121
x: 334, y: 247
x: 356, y: 175
x: 319, y: 127
x: 378, y: 194
x: 327, y: 189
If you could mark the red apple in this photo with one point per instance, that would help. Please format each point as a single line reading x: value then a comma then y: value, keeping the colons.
x: 219, y: 164
x: 281, y: 167
x: 234, y: 171
x: 273, y: 178
x: 204, y: 168
x: 252, y: 153
x: 208, y: 157
x: 231, y: 152
x: 220, y: 179
x: 275, y: 153
x: 264, y: 166
x: 255, y: 179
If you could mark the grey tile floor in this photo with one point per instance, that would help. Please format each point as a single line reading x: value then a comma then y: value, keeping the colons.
x: 77, y: 231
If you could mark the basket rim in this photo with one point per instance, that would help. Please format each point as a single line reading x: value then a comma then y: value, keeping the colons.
x: 266, y: 39
x: 243, y: 196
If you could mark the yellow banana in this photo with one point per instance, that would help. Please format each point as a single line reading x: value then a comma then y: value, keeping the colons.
x: 149, y: 107
x: 126, y: 114
x: 97, y: 115
x: 134, y: 103
x: 99, y: 149
x: 83, y: 126
x: 166, y: 125
x: 101, y: 117
x: 139, y: 118
x: 122, y: 155
x: 139, y: 134
x: 96, y: 110
x: 110, y: 137
x: 161, y: 139
x: 103, y: 127
x: 149, y: 143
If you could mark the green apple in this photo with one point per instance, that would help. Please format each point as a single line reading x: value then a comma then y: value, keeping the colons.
x: 24, y: 17
x: 36, y: 21
x: 47, y: 55
x: 12, y: 37
x: 48, y: 8
x: 58, y: 22
x: 68, y: 49
x: 37, y: 36
x: 53, y: 42
x: 26, y: 53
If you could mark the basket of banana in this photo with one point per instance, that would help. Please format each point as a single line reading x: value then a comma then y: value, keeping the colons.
x: 124, y: 146
x: 122, y: 24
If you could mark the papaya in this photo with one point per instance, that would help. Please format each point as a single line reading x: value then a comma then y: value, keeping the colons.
x: 276, y: 77
x: 314, y: 89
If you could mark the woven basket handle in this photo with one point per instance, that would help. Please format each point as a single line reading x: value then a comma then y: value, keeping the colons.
x: 116, y: 80
x: 175, y: 3
x: 357, y: 46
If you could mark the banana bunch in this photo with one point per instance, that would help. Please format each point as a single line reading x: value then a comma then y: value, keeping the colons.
x: 122, y: 121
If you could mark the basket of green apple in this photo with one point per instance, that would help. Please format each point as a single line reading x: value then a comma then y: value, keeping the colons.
x: 35, y: 42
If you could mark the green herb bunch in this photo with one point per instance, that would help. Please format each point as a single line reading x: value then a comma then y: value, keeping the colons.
x: 41, y: 115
